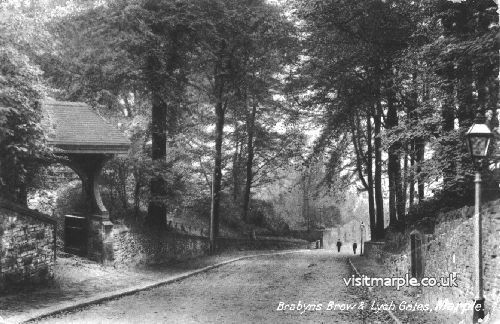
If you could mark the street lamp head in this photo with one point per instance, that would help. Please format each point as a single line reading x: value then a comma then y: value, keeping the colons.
x: 478, y: 138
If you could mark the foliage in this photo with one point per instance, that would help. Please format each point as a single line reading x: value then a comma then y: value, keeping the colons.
x: 22, y: 148
x: 216, y: 95
x: 302, y: 198
x: 178, y: 58
x: 415, y: 68
x: 126, y: 180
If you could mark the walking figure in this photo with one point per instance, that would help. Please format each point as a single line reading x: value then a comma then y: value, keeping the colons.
x: 354, y: 247
x: 339, y: 245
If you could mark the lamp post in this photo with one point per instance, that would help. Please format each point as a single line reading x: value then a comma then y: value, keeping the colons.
x: 361, y: 232
x: 478, y: 141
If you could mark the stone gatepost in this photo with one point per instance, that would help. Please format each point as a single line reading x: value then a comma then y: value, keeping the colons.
x: 100, y: 239
x: 417, y: 260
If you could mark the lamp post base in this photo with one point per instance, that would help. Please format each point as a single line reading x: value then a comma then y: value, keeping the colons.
x: 478, y: 310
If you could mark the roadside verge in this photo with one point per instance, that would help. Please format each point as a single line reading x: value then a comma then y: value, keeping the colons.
x: 370, y: 292
x: 102, y: 297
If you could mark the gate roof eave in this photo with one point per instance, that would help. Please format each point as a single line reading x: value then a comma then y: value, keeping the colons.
x: 88, y: 148
x: 73, y: 128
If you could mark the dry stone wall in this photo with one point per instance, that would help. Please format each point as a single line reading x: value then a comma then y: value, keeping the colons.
x: 27, y: 249
x: 374, y: 250
x: 449, y: 250
x: 139, y: 248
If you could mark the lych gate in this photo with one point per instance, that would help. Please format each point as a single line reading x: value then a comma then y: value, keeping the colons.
x: 85, y: 142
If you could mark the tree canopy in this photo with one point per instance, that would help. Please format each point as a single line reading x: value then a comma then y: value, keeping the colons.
x: 219, y: 98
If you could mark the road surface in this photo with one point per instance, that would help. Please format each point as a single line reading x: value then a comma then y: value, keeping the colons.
x: 254, y: 290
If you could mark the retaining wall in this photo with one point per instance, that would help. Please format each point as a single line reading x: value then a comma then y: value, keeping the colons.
x: 374, y: 250
x: 139, y: 248
x: 27, y: 246
x: 450, y: 251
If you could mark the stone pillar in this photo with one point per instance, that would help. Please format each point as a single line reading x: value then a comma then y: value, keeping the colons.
x: 99, y: 240
x: 89, y: 167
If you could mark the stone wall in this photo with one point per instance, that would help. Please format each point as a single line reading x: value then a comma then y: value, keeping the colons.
x: 261, y: 242
x: 374, y: 250
x: 450, y: 250
x: 27, y: 246
x: 138, y: 248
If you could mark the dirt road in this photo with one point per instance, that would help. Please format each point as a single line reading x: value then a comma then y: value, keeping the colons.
x: 255, y: 290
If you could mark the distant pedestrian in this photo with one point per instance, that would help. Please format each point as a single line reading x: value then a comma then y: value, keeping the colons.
x: 354, y: 247
x: 339, y: 245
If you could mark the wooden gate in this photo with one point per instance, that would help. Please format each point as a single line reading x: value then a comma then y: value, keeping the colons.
x: 75, y: 235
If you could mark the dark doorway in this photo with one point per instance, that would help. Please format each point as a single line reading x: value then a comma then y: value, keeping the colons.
x: 75, y: 235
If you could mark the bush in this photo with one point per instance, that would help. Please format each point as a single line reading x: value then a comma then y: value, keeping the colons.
x: 69, y: 199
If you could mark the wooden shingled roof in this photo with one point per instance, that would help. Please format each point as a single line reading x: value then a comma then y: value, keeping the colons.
x: 74, y: 128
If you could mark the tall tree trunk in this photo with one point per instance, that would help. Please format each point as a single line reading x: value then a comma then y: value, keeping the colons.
x: 305, y: 198
x: 379, y: 201
x: 137, y: 194
x: 420, y: 150
x: 236, y: 166
x: 366, y: 160
x: 448, y: 123
x: 393, y: 219
x: 411, y: 197
x: 219, y: 134
x: 412, y: 116
x: 250, y: 156
x: 393, y: 155
x: 161, y: 109
x: 217, y: 176
x: 397, y: 213
x: 405, y: 174
x: 157, y: 209
x: 369, y: 177
x: 400, y: 196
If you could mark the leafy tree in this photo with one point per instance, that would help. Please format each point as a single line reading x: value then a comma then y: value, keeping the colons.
x: 180, y: 58
x: 450, y: 76
x: 396, y: 75
x: 22, y: 148
x: 132, y: 51
x: 351, y: 72
x: 244, y: 54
